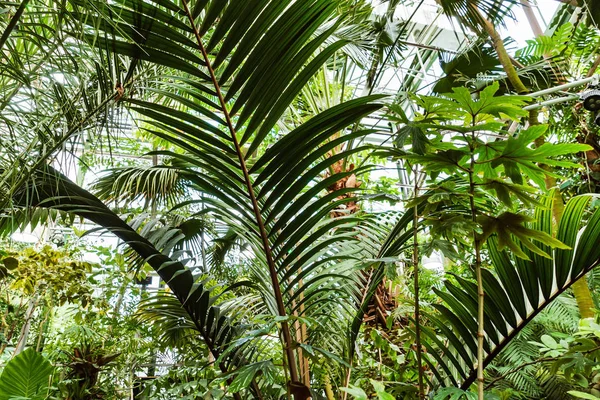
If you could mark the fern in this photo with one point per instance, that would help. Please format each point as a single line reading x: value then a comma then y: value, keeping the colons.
x: 548, y: 45
x: 534, y: 381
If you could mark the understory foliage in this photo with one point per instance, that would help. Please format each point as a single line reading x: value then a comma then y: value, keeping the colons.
x: 217, y: 216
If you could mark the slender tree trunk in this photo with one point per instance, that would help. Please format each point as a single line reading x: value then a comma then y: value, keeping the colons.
x: 27, y: 326
x: 594, y: 67
x: 416, y: 288
x: 43, y: 329
x: 480, y: 322
x: 531, y: 18
x: 503, y: 55
x: 480, y: 291
x: 301, y: 337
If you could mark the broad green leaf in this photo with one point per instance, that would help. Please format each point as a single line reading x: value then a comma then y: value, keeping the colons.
x: 10, y: 263
x: 26, y: 376
x: 488, y: 103
x: 356, y: 392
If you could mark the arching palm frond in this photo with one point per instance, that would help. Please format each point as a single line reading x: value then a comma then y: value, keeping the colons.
x: 164, y: 312
x: 518, y: 291
x: 154, y: 184
x: 398, y: 231
x: 52, y: 190
x: 472, y: 12
x: 226, y: 72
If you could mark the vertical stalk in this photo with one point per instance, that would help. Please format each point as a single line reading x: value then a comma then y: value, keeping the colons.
x: 479, y: 277
x: 531, y: 18
x: 328, y: 388
x: 285, y: 329
x: 583, y: 296
x: 503, y: 56
x: 22, y: 342
x: 416, y: 287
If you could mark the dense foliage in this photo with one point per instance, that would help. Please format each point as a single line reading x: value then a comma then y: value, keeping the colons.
x: 227, y: 200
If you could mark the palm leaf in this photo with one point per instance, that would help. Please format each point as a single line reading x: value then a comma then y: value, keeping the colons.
x: 50, y: 189
x: 221, y: 82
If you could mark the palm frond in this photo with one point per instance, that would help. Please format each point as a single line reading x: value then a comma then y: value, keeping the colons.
x: 52, y: 190
x: 518, y: 290
x: 157, y: 184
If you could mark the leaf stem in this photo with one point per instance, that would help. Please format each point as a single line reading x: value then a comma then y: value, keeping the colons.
x: 416, y: 285
x: 12, y: 24
x: 479, y: 277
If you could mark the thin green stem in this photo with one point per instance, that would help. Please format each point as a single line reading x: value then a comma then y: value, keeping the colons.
x: 416, y: 287
x: 479, y: 277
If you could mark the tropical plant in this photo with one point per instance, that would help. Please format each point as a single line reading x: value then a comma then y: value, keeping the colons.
x: 508, y: 310
x: 220, y: 64
x: 82, y: 368
x: 28, y: 375
x: 257, y: 149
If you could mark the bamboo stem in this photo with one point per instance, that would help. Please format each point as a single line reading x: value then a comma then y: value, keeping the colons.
x: 503, y: 55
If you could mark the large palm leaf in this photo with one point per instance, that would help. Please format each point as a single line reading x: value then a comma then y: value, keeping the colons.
x: 235, y: 68
x: 49, y: 189
x: 518, y: 291
x: 330, y: 270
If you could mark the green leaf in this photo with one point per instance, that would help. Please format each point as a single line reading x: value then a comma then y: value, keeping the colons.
x: 357, y: 392
x: 509, y: 226
x: 26, y: 376
x: 418, y: 138
x: 10, y: 263
x: 549, y: 341
x: 582, y: 395
x: 312, y: 349
x: 488, y: 103
x: 245, y: 374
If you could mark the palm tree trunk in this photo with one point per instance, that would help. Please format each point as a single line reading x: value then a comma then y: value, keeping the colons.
x: 416, y: 286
